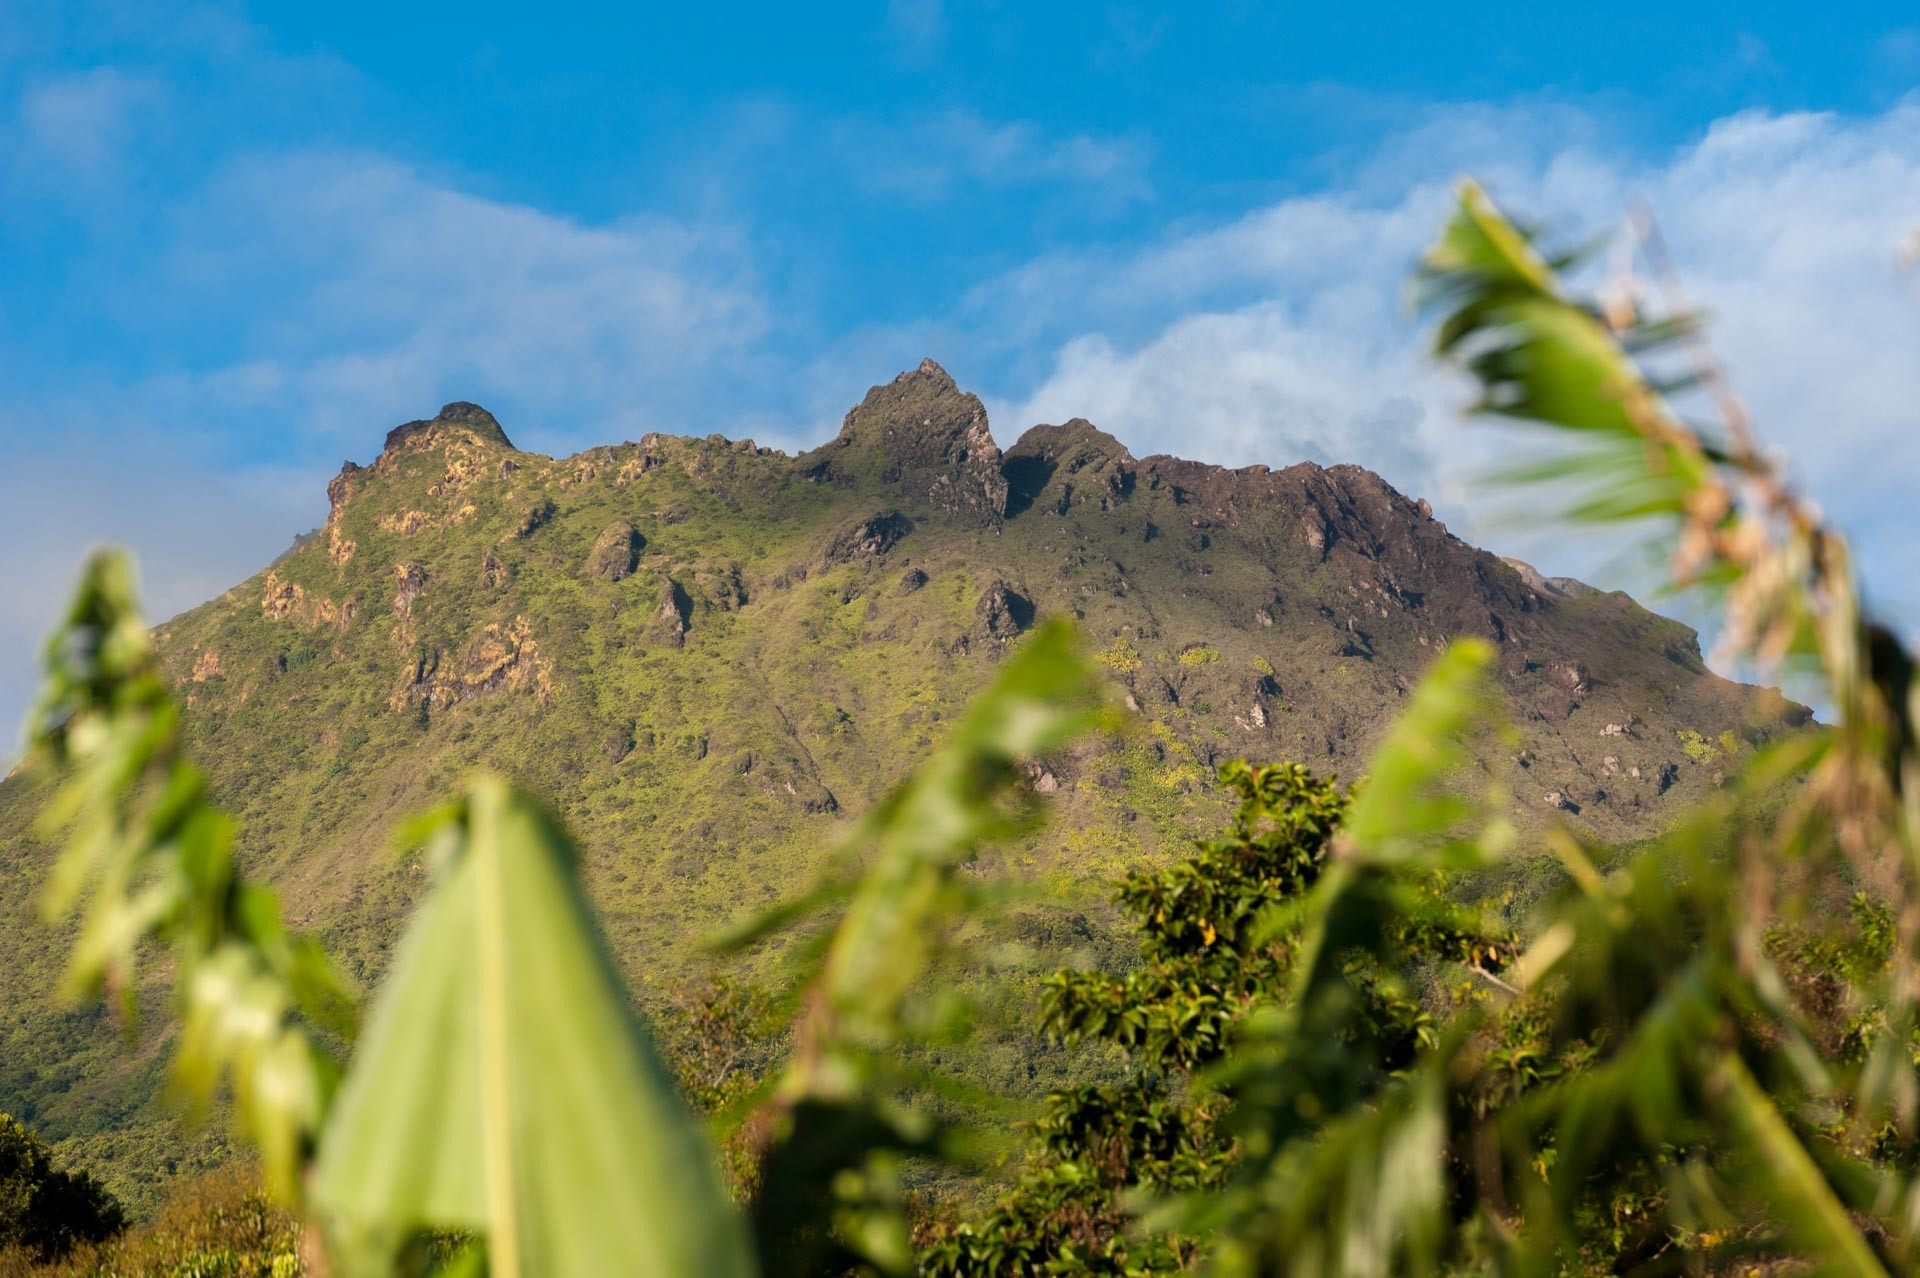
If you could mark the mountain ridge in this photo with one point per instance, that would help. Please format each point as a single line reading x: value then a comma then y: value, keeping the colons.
x: 709, y: 655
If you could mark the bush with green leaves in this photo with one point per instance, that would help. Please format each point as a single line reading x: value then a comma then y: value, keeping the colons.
x: 45, y: 1212
x: 221, y: 1224
x: 1210, y: 953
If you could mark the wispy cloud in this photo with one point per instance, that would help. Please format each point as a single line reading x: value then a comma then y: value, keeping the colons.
x: 82, y: 123
x: 1899, y: 50
x: 934, y: 157
x: 369, y: 289
x: 1284, y: 334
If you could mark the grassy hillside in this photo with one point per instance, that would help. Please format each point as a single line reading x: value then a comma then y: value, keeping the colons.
x: 708, y: 654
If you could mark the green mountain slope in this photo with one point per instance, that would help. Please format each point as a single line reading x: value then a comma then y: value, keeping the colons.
x: 708, y: 654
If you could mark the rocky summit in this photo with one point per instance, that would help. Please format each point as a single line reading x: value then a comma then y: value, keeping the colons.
x: 709, y: 655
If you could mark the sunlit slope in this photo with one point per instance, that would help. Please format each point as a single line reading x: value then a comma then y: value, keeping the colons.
x: 707, y: 655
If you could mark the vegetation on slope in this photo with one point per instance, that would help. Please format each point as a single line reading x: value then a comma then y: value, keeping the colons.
x: 706, y: 655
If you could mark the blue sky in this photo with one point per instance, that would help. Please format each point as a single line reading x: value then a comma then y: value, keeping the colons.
x: 238, y: 243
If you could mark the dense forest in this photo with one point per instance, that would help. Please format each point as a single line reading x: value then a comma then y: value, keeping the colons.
x: 1399, y: 1026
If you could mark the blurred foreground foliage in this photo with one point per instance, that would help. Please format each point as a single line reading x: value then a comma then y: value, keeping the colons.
x: 1698, y: 1056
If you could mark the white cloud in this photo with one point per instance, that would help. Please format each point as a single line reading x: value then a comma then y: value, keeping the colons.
x: 1247, y: 386
x: 1283, y: 335
x: 391, y: 291
x: 934, y: 157
x: 81, y: 123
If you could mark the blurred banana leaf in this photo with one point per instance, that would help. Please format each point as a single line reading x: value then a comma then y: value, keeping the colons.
x: 1345, y: 1157
x: 506, y: 1087
x: 1542, y: 357
x: 833, y: 1128
x: 1367, y: 1197
x: 149, y: 858
x: 1708, y: 1097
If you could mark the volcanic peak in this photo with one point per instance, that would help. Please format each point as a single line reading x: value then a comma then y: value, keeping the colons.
x: 924, y: 435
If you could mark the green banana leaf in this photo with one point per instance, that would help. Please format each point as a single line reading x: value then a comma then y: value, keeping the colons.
x: 505, y: 1085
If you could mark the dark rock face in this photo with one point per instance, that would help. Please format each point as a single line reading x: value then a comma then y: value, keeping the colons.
x: 867, y: 538
x: 926, y: 437
x: 1348, y: 521
x: 1000, y: 615
x: 675, y: 608
x: 616, y: 552
x: 494, y: 575
x: 1071, y: 464
x: 534, y: 518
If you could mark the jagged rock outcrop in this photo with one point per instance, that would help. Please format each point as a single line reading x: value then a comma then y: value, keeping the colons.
x: 616, y: 552
x: 867, y: 538
x: 674, y: 611
x: 926, y: 438
x: 1076, y: 462
x: 1000, y: 614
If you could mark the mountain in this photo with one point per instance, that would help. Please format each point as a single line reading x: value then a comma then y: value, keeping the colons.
x: 708, y: 654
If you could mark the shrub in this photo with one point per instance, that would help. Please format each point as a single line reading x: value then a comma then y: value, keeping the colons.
x: 45, y: 1213
x: 220, y: 1225
x: 1697, y: 747
x: 1119, y: 657
x: 1208, y: 958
